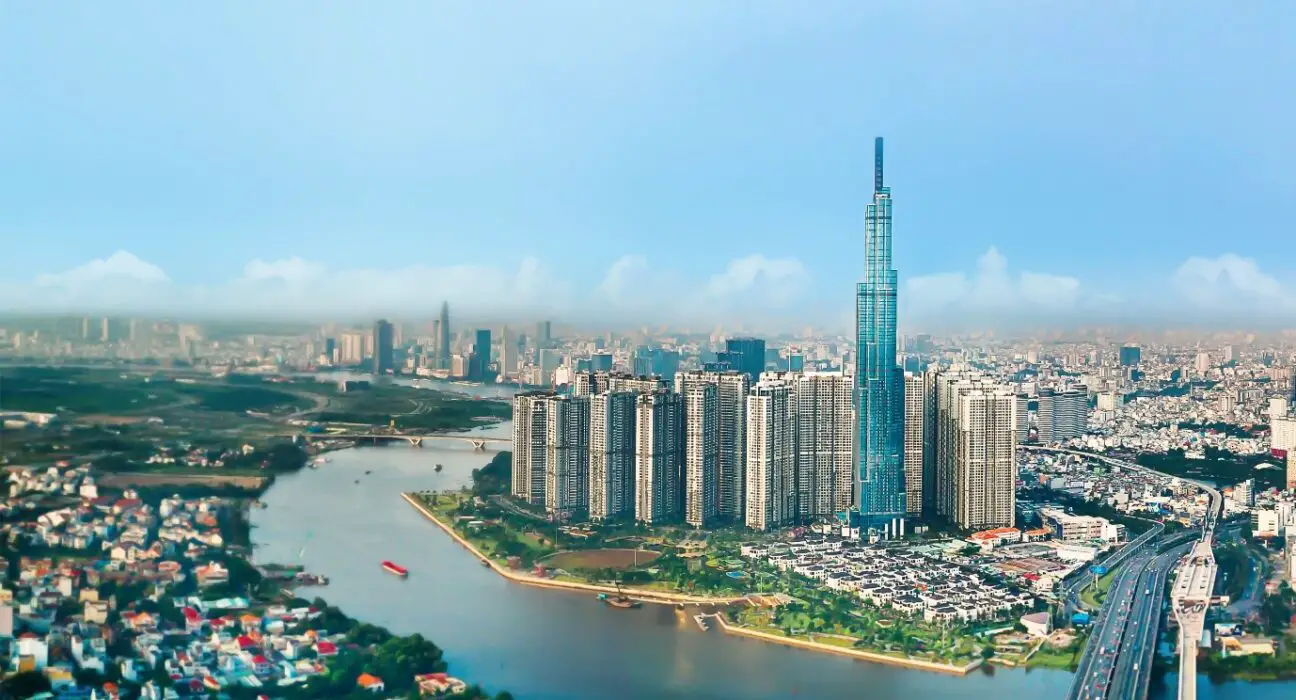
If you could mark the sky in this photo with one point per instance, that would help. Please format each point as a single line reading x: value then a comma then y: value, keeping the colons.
x: 668, y: 162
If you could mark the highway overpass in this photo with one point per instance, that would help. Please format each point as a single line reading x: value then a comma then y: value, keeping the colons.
x: 1190, y: 597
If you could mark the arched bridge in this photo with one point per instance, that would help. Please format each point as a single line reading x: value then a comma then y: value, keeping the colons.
x: 478, y: 443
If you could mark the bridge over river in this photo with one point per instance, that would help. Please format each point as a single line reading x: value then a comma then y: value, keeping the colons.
x: 414, y: 440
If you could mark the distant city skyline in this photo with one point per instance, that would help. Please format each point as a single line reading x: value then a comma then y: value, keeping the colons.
x: 709, y: 165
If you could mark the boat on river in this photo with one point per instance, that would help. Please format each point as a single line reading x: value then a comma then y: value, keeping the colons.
x: 619, y: 601
x: 393, y: 568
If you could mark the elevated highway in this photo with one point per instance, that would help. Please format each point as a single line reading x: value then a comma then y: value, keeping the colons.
x: 1190, y: 597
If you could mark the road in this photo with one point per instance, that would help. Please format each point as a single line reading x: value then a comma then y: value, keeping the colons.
x: 1142, y: 632
x: 1071, y: 594
x: 1094, y: 675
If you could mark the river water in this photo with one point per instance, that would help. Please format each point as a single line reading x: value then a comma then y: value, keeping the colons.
x: 554, y: 645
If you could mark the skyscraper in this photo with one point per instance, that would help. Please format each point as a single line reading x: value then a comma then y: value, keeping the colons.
x: 481, y: 353
x: 915, y: 441
x: 659, y: 447
x: 747, y: 355
x: 771, y: 456
x: 508, y: 353
x: 977, y: 468
x: 384, y: 348
x: 1130, y: 355
x: 352, y: 350
x: 880, y: 493
x: 529, y: 438
x: 543, y: 335
x: 731, y: 410
x: 612, y: 455
x: 1062, y: 415
x: 567, y: 427
x: 443, y: 338
x: 701, y: 418
x: 823, y: 415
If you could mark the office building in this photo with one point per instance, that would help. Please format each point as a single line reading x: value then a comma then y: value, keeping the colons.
x: 601, y: 362
x: 917, y: 406
x: 548, y: 360
x: 976, y: 470
x: 1278, y: 408
x: 443, y: 337
x: 530, y: 435
x: 1062, y: 415
x: 383, y: 348
x: 823, y: 414
x: 612, y: 455
x: 567, y: 434
x: 1291, y: 470
x: 481, y: 354
x: 508, y: 354
x: 746, y: 355
x: 1228, y: 354
x: 701, y: 445
x: 659, y: 448
x: 731, y: 409
x: 641, y: 363
x: 880, y: 489
x: 544, y: 336
x: 1130, y: 355
x: 771, y: 456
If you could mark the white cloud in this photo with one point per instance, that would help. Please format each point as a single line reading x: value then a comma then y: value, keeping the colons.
x: 631, y: 289
x: 627, y: 275
x: 1229, y: 281
x: 294, y: 270
x: 120, y: 281
x: 991, y: 288
x: 120, y: 266
x: 775, y: 283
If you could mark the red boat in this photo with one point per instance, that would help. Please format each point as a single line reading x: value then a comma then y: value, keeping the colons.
x: 397, y: 569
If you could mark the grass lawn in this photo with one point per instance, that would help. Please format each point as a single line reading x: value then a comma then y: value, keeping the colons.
x: 1061, y: 659
x: 1094, y: 595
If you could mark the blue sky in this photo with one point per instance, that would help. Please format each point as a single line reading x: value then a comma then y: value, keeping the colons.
x: 656, y: 160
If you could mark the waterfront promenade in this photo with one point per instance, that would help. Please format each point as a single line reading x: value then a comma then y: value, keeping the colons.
x: 664, y: 598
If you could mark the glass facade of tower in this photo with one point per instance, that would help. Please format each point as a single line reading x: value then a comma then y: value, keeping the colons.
x: 880, y: 492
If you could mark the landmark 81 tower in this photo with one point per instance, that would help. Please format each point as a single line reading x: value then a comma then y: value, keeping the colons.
x: 880, y: 492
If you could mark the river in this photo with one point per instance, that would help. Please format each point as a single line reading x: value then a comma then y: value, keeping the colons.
x: 553, y: 645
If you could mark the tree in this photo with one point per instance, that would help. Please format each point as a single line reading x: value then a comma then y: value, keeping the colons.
x: 26, y: 684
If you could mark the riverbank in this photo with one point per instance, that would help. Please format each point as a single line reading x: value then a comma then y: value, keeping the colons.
x: 662, y: 598
x: 871, y: 656
x: 647, y: 596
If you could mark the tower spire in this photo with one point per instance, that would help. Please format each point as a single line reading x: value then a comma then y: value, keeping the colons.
x: 877, y: 164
